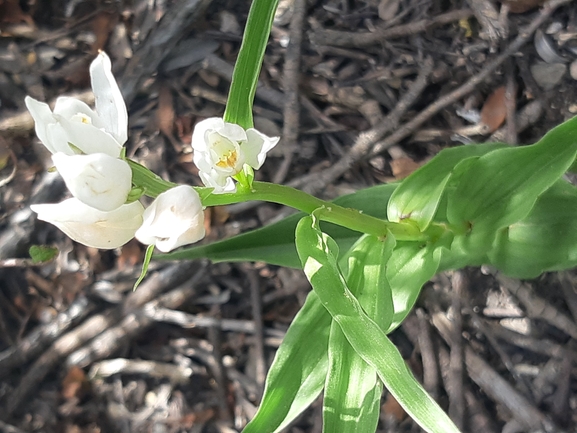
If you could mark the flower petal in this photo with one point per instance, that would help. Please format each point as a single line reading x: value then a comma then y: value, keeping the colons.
x: 256, y: 147
x: 109, y: 102
x: 76, y: 110
x: 211, y: 124
x: 91, y: 227
x: 43, y: 117
x: 98, y: 180
x: 220, y: 183
x: 90, y: 139
x: 174, y: 219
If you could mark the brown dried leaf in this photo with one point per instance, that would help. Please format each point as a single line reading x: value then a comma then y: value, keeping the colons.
x: 11, y: 13
x: 392, y: 407
x: 184, y: 129
x: 402, y: 167
x: 494, y: 110
x: 102, y: 25
x: 165, y: 111
x: 75, y: 384
x: 130, y: 256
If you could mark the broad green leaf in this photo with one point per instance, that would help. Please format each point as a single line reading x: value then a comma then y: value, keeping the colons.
x: 501, y: 187
x: 298, y: 372
x: 275, y: 244
x: 411, y: 265
x: 318, y: 254
x: 545, y: 240
x: 247, y: 68
x: 418, y: 196
x: 352, y: 390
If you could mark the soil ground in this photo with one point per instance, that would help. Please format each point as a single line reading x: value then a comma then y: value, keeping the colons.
x: 362, y: 92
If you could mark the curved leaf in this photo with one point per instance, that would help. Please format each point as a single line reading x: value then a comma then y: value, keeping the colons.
x: 318, y: 254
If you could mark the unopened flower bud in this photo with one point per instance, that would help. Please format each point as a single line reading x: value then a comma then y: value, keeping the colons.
x: 175, y: 218
x: 98, y: 180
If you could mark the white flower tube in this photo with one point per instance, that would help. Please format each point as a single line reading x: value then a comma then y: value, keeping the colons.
x: 74, y: 122
x: 91, y: 227
x: 221, y: 149
x: 98, y: 180
x: 175, y: 218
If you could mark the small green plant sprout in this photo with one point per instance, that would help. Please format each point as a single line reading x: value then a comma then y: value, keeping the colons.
x: 366, y: 255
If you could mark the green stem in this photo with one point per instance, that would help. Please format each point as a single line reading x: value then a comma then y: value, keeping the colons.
x: 330, y: 212
x: 285, y: 195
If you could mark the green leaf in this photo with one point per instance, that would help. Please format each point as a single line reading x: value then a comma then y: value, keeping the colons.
x: 247, y: 68
x: 546, y: 240
x: 298, y: 372
x: 42, y: 253
x: 418, y: 196
x: 318, y: 254
x: 411, y: 265
x: 501, y: 187
x: 353, y: 391
x: 275, y: 243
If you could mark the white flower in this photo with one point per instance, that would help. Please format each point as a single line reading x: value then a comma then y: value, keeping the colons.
x: 98, y: 180
x: 91, y: 227
x: 221, y: 149
x: 174, y: 219
x: 103, y: 131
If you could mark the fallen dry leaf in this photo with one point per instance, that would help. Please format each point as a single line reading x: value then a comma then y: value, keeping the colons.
x: 12, y: 13
x: 165, y: 111
x: 402, y: 167
x: 75, y: 384
x: 494, y: 110
x: 102, y: 25
x: 130, y: 256
x: 392, y: 407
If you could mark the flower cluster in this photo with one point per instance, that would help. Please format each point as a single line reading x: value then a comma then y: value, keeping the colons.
x: 86, y: 147
x: 87, y: 151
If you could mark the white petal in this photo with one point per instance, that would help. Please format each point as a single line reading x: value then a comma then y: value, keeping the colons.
x: 109, y: 102
x: 91, y: 227
x: 256, y: 147
x: 203, y: 127
x: 59, y: 139
x: 98, y: 180
x: 220, y: 183
x: 74, y: 109
x: 43, y: 117
x: 89, y: 138
x: 233, y: 132
x: 174, y: 219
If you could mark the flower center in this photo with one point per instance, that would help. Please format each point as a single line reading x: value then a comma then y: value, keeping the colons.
x: 225, y: 152
x: 81, y: 117
x: 228, y: 160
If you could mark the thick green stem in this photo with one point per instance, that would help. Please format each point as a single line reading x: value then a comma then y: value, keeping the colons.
x: 330, y: 212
